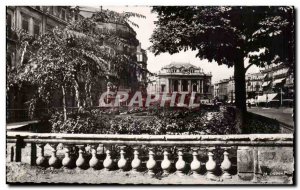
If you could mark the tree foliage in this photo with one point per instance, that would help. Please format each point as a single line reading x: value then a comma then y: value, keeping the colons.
x: 74, y: 59
x: 224, y: 33
x: 228, y: 35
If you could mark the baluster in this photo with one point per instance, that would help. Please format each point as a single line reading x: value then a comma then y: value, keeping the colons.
x: 166, y: 163
x: 108, y: 162
x: 210, y: 165
x: 122, y: 162
x: 136, y: 162
x: 94, y: 161
x: 40, y: 159
x: 151, y: 163
x: 53, y: 161
x: 180, y: 164
x: 80, y: 160
x: 66, y: 162
x: 226, y: 164
x: 195, y: 164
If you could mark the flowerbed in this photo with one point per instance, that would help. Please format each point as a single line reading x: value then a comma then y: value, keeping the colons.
x: 153, y: 121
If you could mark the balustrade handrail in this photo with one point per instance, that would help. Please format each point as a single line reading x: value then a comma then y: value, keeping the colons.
x: 165, y: 140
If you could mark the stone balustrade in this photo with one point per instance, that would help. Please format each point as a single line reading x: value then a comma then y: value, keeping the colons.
x: 217, y: 157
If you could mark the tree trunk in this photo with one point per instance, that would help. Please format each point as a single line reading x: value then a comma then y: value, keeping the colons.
x: 240, y: 95
x: 64, y: 102
x: 23, y: 52
x: 77, y: 94
x: 88, y: 89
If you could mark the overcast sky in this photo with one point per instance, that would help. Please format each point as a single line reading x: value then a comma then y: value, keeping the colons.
x: 147, y: 26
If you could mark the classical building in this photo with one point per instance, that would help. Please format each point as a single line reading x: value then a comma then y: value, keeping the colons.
x: 182, y: 77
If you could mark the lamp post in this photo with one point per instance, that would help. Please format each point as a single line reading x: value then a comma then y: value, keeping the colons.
x: 281, y: 96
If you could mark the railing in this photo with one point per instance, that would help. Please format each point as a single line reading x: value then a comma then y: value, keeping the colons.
x: 218, y: 157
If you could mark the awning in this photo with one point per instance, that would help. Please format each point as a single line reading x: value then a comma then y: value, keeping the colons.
x: 266, y: 83
x: 252, y: 100
x: 278, y: 81
x: 266, y: 97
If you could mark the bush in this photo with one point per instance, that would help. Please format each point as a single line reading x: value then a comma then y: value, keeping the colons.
x: 81, y: 121
x: 157, y: 122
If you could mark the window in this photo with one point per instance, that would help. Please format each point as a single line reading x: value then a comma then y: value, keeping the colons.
x: 49, y: 28
x: 25, y: 24
x: 36, y: 27
x: 139, y: 57
x: 8, y: 24
x: 51, y: 10
x: 162, y: 88
x: 63, y: 14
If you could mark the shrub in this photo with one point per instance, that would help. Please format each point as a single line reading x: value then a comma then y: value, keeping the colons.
x: 157, y: 122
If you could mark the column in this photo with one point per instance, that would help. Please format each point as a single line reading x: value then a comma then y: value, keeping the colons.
x: 170, y: 86
x: 190, y: 86
x: 202, y: 86
x: 179, y: 85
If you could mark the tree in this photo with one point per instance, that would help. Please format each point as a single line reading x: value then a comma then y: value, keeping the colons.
x: 228, y: 35
x: 75, y: 58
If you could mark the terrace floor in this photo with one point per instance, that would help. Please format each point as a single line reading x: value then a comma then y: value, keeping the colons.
x: 24, y: 173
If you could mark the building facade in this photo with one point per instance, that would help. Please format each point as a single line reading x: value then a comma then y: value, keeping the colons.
x: 254, y: 82
x: 221, y: 90
x: 278, y: 80
x: 182, y: 77
x: 273, y: 85
x: 35, y: 20
x: 134, y: 77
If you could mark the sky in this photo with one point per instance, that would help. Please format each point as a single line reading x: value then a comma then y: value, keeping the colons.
x: 155, y: 63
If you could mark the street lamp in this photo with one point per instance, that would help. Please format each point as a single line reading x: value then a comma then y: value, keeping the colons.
x: 267, y: 100
x: 281, y: 96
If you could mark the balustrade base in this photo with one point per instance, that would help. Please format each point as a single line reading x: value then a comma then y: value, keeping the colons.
x: 212, y: 177
x: 19, y: 172
x: 196, y: 175
x: 226, y: 176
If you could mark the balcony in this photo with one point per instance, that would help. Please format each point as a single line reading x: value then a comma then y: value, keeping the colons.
x: 155, y: 159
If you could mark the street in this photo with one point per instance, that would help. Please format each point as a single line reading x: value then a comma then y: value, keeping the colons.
x: 283, y: 115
